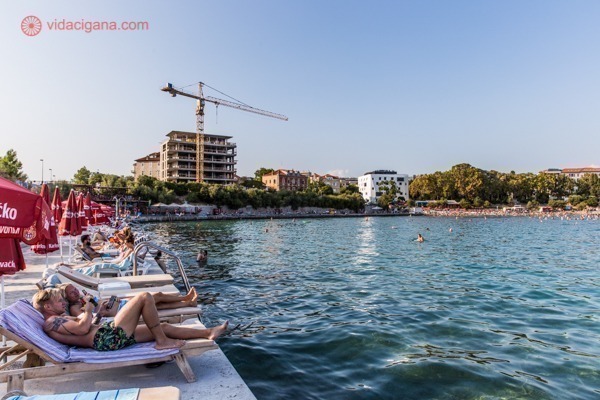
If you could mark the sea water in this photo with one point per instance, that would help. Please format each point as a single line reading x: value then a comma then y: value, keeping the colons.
x: 356, y: 308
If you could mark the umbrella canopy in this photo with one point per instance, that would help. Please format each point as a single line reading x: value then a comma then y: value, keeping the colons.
x: 69, y: 224
x: 24, y: 215
x: 11, y: 257
x: 57, y: 205
x: 87, y: 206
x: 81, y: 211
x: 50, y: 244
x: 100, y: 214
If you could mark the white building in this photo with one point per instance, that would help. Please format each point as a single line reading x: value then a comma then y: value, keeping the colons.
x: 368, y: 184
x: 577, y: 173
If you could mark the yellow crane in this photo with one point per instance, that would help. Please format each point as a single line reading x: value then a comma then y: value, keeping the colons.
x: 200, y: 103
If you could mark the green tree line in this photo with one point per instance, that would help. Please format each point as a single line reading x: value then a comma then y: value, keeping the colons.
x: 474, y: 187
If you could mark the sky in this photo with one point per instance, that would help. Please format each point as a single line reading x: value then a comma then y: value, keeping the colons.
x: 412, y: 86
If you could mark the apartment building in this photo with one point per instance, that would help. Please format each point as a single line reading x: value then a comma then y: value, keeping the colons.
x: 332, y: 181
x: 147, y: 166
x: 576, y: 173
x: 185, y: 157
x: 369, y: 184
x: 284, y: 179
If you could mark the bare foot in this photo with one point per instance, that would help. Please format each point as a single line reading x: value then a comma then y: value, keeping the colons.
x: 218, y: 331
x: 191, y: 301
x: 169, y: 343
x: 189, y: 295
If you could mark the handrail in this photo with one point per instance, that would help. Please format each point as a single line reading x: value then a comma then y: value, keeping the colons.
x: 141, y: 245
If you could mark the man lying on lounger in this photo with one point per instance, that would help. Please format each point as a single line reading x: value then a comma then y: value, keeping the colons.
x: 123, y: 331
x: 163, y: 301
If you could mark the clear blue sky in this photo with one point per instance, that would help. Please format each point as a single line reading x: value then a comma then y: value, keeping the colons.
x: 415, y: 86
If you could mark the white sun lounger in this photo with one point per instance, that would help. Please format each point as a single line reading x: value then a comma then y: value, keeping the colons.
x: 22, y: 323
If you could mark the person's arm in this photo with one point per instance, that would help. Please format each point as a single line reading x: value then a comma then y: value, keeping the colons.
x: 70, y: 325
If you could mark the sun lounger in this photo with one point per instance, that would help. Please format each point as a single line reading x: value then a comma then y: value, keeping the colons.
x: 22, y: 323
x: 157, y: 393
x: 121, y: 288
x: 134, y: 282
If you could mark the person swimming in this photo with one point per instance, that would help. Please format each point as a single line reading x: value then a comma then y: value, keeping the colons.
x: 420, y: 238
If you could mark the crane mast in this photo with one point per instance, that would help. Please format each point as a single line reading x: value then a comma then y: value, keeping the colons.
x: 200, y: 103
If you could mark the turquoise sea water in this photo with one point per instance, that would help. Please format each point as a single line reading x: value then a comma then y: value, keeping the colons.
x: 497, y: 308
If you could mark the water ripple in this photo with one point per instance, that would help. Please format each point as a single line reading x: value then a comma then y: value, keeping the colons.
x: 356, y: 309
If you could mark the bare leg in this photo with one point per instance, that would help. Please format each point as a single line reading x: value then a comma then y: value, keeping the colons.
x: 181, y: 332
x: 161, y: 299
x: 143, y: 305
x: 143, y: 334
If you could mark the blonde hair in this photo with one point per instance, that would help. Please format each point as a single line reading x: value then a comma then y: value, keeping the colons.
x: 44, y: 296
x: 63, y: 289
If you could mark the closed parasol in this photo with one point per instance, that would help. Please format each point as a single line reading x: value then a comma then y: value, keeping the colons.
x: 47, y: 245
x: 81, y: 211
x: 69, y: 224
x: 87, y: 207
x: 57, y: 206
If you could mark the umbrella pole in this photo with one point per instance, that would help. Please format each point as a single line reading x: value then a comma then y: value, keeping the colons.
x: 46, y: 260
x: 61, y: 249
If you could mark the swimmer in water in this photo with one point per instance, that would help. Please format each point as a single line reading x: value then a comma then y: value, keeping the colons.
x: 420, y: 238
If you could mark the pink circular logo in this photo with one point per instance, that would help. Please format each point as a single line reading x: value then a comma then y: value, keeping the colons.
x: 31, y: 25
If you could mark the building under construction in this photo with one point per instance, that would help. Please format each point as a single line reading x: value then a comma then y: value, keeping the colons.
x: 182, y: 161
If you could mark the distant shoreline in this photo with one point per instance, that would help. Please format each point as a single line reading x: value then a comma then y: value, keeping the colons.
x: 426, y: 213
x: 229, y: 217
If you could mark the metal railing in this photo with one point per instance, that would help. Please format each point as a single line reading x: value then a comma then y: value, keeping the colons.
x: 151, y: 245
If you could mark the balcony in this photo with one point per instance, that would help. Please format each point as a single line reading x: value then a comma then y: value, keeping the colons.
x: 218, y: 169
x: 181, y: 149
x: 219, y: 143
x: 223, y: 160
x: 184, y: 158
x: 224, y: 152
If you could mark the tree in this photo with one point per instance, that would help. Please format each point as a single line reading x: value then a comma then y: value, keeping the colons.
x: 258, y: 174
x: 11, y: 167
x: 350, y: 189
x: 390, y: 192
x: 82, y: 176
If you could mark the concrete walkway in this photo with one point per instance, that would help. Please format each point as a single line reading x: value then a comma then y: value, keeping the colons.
x: 216, y: 377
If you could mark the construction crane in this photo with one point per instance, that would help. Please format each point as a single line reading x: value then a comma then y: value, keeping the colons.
x: 200, y: 103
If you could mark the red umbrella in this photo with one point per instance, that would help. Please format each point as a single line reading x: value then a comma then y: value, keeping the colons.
x: 57, y: 205
x: 24, y: 215
x: 100, y: 214
x: 69, y: 223
x: 81, y: 212
x: 87, y: 206
x: 11, y: 257
x: 11, y: 261
x: 47, y: 245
